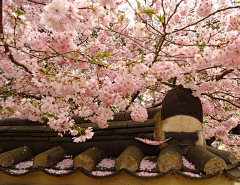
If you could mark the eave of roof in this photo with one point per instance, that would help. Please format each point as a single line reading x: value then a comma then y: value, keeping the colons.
x: 121, y: 132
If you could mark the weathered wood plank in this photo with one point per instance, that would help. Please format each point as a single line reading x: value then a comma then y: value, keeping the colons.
x: 130, y: 158
x: 15, y: 156
x: 205, y: 160
x: 227, y: 156
x: 180, y: 136
x: 170, y: 157
x: 49, y: 157
x: 89, y: 158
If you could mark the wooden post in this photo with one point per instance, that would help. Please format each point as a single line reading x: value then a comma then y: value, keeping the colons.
x: 130, y: 158
x: 170, y: 157
x: 89, y: 158
x: 49, y: 157
x: 15, y: 156
x: 205, y: 160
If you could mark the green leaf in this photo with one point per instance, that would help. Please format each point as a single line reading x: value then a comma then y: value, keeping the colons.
x: 94, y: 60
x: 41, y: 70
x: 149, y: 15
x: 46, y: 70
x: 237, y: 2
x: 160, y: 18
x: 127, y: 96
x: 106, y: 55
x: 166, y: 44
x: 138, y: 3
x: 148, y: 10
x: 22, y: 13
x: 137, y: 17
x: 18, y: 11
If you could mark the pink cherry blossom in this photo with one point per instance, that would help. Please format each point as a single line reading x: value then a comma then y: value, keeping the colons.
x: 101, y: 173
x: 57, y: 9
x: 192, y: 174
x: 187, y: 164
x: 139, y: 30
x: 106, y: 163
x: 139, y: 114
x: 92, y: 59
x: 147, y: 165
x: 146, y: 174
x: 150, y: 142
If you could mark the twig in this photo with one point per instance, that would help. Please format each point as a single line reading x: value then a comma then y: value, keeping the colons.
x: 1, y: 19
x: 226, y: 72
x: 156, y: 105
x: 133, y: 99
x: 14, y: 61
x: 205, y: 18
x: 216, y: 98
x: 36, y: 2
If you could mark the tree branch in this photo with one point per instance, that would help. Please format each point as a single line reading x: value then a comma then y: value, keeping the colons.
x: 156, y: 105
x: 14, y: 61
x: 133, y: 99
x: 205, y: 18
x: 36, y: 2
x: 1, y: 19
x: 216, y: 98
x: 175, y: 10
x: 219, y: 77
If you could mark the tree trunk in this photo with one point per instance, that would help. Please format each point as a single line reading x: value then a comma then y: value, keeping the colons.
x: 130, y: 158
x: 49, y: 157
x: 89, y: 158
x: 15, y: 156
x: 227, y: 156
x: 170, y: 157
x: 205, y: 160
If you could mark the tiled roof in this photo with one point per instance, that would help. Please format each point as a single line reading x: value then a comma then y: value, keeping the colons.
x: 15, y: 133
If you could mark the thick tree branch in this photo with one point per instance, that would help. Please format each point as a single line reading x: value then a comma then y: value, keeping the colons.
x: 36, y: 2
x: 168, y: 84
x: 220, y: 10
x: 175, y: 10
x: 14, y: 61
x: 7, y: 93
x: 159, y: 47
x: 156, y: 105
x: 133, y: 99
x: 219, y: 77
x: 216, y: 98
x: 1, y: 19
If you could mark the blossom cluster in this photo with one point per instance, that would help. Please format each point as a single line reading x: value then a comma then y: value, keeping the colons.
x: 147, y: 164
x: 63, y: 58
x: 187, y: 164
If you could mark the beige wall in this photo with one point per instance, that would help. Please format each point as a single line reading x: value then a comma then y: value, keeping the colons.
x: 121, y: 179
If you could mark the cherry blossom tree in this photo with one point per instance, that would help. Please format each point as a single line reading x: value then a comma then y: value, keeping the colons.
x: 61, y: 58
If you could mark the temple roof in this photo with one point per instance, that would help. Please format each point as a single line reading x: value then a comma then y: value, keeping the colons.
x: 16, y: 133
